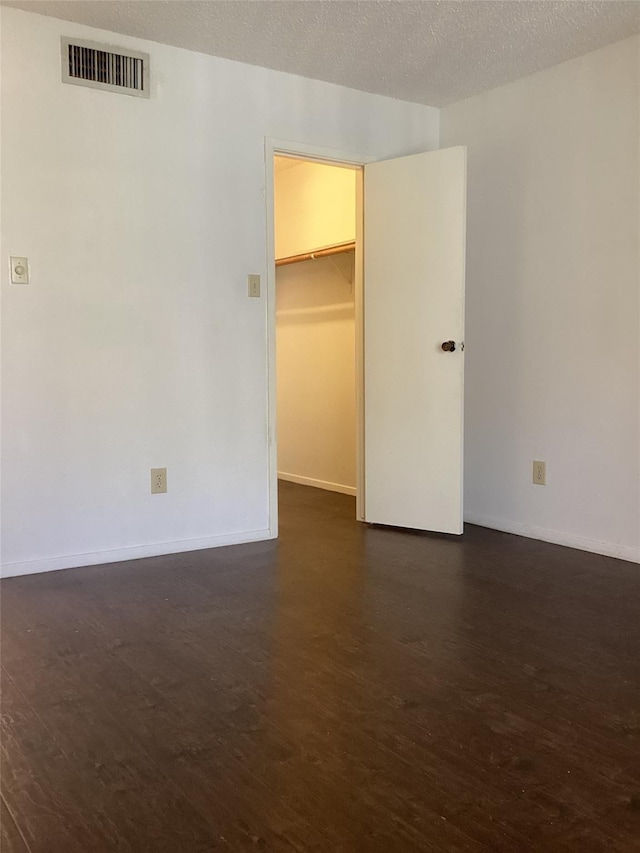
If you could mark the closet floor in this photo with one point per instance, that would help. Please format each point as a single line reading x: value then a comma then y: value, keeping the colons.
x: 345, y: 688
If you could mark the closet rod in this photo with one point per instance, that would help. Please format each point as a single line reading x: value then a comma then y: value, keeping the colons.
x: 338, y: 249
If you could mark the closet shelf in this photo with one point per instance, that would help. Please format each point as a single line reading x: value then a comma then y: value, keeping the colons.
x: 337, y: 249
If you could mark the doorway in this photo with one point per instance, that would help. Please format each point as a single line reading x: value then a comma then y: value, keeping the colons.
x: 316, y: 316
x: 409, y: 335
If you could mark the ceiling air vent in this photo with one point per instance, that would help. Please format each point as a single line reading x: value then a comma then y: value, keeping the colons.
x: 102, y: 66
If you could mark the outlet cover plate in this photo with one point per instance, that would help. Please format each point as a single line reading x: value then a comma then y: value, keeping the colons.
x: 158, y: 481
x: 540, y: 473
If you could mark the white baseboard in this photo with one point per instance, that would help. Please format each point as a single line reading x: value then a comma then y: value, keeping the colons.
x: 135, y: 552
x: 317, y: 484
x: 607, y: 549
x: 138, y: 552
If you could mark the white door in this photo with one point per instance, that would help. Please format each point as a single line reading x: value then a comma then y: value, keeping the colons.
x: 414, y: 262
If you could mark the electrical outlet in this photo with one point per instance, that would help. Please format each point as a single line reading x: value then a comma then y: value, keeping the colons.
x: 254, y: 285
x: 158, y: 481
x: 540, y: 473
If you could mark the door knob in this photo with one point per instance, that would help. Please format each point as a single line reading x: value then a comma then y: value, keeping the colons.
x: 449, y: 346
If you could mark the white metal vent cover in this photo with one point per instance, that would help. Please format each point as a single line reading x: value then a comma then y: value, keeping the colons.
x: 103, y: 66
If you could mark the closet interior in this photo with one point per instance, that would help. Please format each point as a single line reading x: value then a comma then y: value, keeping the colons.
x: 315, y: 232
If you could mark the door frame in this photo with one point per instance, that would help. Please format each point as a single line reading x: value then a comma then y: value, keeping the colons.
x: 329, y: 156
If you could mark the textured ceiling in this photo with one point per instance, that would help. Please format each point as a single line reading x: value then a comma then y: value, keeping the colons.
x: 430, y: 52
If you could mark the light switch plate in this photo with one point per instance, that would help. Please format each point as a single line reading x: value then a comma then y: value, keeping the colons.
x: 254, y: 285
x: 19, y: 270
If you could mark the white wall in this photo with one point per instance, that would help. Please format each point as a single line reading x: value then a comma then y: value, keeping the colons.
x: 315, y: 333
x: 315, y: 206
x: 552, y: 301
x: 136, y: 345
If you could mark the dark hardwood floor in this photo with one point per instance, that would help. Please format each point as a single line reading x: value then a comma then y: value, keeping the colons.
x: 343, y: 689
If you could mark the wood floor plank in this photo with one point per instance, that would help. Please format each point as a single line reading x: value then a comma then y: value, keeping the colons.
x: 11, y: 840
x: 346, y: 688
